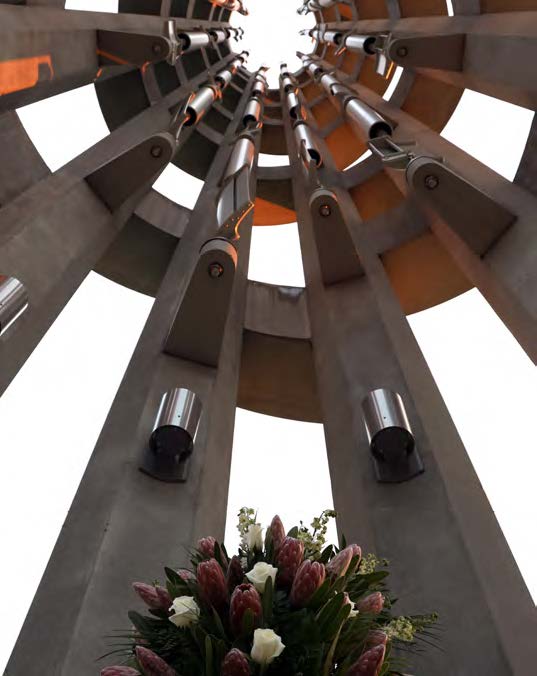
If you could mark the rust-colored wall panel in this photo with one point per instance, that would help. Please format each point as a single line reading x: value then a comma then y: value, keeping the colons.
x: 376, y: 195
x: 329, y: 15
x: 312, y: 91
x: 423, y: 274
x: 273, y: 140
x: 350, y: 62
x: 344, y: 146
x: 493, y: 6
x: 324, y: 112
x: 345, y: 11
x: 330, y: 55
x: 370, y: 78
x: 423, y: 7
x: 268, y: 213
x: 277, y: 377
x: 432, y: 102
x: 372, y: 9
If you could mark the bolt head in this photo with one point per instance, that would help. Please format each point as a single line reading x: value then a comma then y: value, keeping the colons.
x: 325, y: 210
x: 216, y: 270
x: 402, y: 51
x: 156, y: 151
x: 431, y: 182
x: 157, y: 48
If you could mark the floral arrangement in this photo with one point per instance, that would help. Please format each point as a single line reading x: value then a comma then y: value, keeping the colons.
x: 286, y: 605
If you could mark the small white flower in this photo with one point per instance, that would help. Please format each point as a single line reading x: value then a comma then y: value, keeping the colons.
x: 186, y: 611
x: 354, y: 612
x: 260, y: 574
x: 254, y: 537
x: 267, y: 646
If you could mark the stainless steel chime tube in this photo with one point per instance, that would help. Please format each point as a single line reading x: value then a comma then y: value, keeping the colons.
x: 259, y: 88
x: 288, y: 83
x: 252, y: 113
x: 242, y: 155
x: 333, y: 86
x: 365, y: 120
x: 174, y: 432
x: 218, y: 35
x: 192, y: 40
x: 13, y: 301
x: 307, y: 147
x: 360, y: 43
x: 294, y: 106
x: 201, y: 103
x: 387, y: 425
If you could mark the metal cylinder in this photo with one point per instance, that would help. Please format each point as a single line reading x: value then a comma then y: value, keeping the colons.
x: 366, y: 121
x: 172, y: 440
x: 200, y: 104
x: 387, y: 425
x: 288, y: 84
x: 252, y: 113
x: 333, y: 86
x: 223, y: 78
x: 218, y: 35
x: 294, y: 106
x: 242, y: 155
x: 360, y: 43
x: 259, y: 88
x: 306, y: 144
x: 192, y: 40
x: 332, y: 36
x: 13, y: 301
x: 314, y: 69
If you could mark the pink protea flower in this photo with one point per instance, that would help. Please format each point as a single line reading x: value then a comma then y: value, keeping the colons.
x: 185, y: 574
x: 356, y: 553
x: 376, y: 637
x: 289, y: 558
x: 373, y: 603
x: 212, y: 583
x: 235, y: 573
x: 245, y: 597
x: 308, y: 579
x: 206, y: 547
x: 152, y: 664
x: 278, y: 532
x: 155, y: 597
x: 369, y: 663
x: 119, y: 671
x: 235, y: 664
x: 339, y: 565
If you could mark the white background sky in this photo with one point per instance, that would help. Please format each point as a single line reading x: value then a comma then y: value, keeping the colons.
x: 52, y: 413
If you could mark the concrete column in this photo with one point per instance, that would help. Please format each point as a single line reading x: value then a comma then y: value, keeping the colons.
x: 124, y: 526
x: 438, y: 529
x: 55, y: 233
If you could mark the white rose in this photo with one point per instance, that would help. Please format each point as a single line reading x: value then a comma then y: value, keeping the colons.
x: 186, y: 611
x: 260, y: 574
x: 254, y: 537
x: 267, y: 646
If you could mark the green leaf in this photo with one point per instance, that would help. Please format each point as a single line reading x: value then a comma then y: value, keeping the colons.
x: 209, y: 669
x: 293, y: 533
x: 218, y: 624
x: 328, y: 613
x: 267, y: 601
x: 326, y: 554
x: 173, y: 577
x: 248, y: 621
x: 320, y: 596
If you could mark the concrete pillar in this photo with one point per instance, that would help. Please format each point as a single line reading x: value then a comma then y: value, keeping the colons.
x: 438, y: 529
x: 124, y: 526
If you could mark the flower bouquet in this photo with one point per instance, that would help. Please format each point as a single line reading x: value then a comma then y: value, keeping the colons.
x: 285, y: 605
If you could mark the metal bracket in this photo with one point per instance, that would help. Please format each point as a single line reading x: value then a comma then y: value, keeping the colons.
x: 338, y: 259
x: 120, y: 48
x: 136, y: 168
x: 474, y: 216
x: 198, y: 327
x: 394, y: 155
x: 442, y: 52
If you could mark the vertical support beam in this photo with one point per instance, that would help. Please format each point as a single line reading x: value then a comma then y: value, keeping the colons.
x: 102, y: 548
x: 438, y: 527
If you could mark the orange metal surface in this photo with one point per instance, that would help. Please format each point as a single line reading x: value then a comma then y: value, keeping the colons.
x: 19, y: 74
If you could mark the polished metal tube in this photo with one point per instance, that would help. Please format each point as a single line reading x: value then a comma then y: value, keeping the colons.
x: 294, y: 105
x: 288, y: 84
x: 332, y: 36
x: 224, y: 77
x: 13, y: 301
x: 200, y: 104
x: 360, y: 43
x: 259, y: 88
x: 192, y: 40
x: 387, y: 425
x: 242, y: 155
x: 252, y: 113
x: 218, y: 35
x: 365, y: 120
x: 306, y: 144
